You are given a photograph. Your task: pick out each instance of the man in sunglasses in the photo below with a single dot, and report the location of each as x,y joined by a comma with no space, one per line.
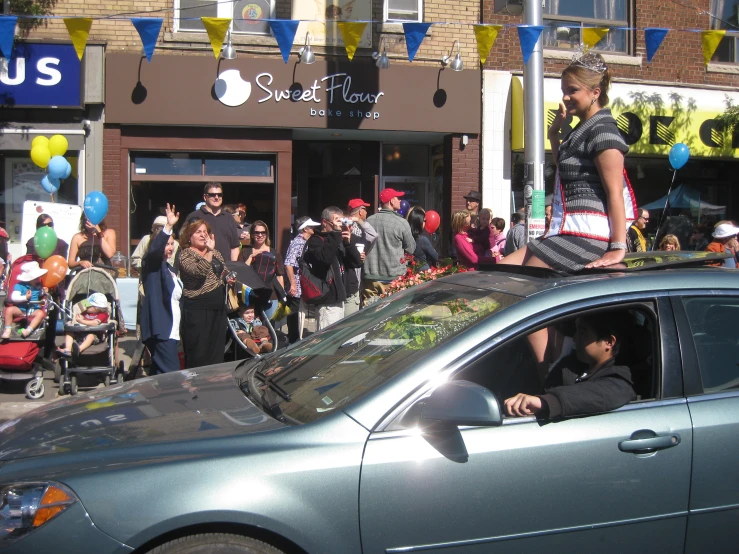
636,241
224,226
44,220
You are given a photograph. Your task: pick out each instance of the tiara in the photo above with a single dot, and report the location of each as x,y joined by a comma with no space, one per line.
588,60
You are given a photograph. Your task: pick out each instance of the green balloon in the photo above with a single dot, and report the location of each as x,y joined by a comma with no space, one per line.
44,241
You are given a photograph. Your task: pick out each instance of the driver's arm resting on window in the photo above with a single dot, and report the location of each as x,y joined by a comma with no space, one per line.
585,382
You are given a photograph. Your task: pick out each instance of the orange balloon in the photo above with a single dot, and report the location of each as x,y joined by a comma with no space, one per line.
56,270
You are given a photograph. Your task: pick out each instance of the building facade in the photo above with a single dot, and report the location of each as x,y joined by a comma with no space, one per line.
286,139
675,98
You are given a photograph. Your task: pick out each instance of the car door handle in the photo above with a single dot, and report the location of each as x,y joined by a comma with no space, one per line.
646,440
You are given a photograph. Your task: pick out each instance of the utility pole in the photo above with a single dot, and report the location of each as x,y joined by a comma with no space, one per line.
533,83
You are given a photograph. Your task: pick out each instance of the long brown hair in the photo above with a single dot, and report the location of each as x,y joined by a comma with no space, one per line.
83,220
189,229
251,232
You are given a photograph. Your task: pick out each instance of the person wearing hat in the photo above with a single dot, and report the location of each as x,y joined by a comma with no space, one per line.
25,296
93,312
394,239
722,236
62,248
143,245
305,228
473,200
363,236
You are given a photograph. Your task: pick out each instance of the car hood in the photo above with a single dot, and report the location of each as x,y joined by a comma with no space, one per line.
185,405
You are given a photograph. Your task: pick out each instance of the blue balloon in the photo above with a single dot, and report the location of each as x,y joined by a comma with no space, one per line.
679,155
57,167
404,207
50,184
68,171
96,207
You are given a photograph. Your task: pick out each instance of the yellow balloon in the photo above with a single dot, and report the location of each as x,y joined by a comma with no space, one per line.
40,141
58,145
40,156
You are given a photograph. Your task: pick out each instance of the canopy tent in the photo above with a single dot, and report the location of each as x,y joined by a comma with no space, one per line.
687,198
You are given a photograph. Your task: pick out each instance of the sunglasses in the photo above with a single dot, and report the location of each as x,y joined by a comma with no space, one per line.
214,194
48,224
260,233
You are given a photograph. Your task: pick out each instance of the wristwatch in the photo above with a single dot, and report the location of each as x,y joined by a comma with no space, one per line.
617,246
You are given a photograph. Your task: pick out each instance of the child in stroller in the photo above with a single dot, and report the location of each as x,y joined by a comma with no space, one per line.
92,312
27,299
251,331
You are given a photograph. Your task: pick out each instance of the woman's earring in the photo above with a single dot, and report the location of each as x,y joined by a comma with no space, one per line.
592,101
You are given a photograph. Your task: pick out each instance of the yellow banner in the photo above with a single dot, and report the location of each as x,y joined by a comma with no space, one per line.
78,29
351,33
593,35
486,35
217,27
711,40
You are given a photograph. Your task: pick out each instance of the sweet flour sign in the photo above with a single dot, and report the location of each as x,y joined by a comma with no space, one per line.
267,93
233,91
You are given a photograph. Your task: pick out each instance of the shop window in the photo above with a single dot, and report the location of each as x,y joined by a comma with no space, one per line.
238,167
175,164
405,160
249,16
197,165
565,19
403,10
727,17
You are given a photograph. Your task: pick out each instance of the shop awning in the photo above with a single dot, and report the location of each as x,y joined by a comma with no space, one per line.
16,136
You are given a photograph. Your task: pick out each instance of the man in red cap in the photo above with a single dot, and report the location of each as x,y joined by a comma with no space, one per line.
394,238
364,235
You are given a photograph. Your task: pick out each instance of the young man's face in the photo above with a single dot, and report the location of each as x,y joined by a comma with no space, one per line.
395,203
590,349
214,198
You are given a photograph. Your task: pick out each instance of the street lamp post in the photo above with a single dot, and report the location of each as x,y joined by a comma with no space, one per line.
533,79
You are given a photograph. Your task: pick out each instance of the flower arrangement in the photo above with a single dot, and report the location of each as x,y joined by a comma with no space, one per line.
415,276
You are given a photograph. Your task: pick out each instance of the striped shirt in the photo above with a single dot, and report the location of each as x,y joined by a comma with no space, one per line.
293,257
197,273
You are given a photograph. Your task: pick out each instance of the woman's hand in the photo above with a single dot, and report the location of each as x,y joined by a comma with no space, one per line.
210,243
612,257
556,125
172,216
85,264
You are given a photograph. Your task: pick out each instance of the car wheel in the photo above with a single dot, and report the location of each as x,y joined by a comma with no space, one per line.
73,385
215,543
35,389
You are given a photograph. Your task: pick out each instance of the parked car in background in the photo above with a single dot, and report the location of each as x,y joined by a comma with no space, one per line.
384,433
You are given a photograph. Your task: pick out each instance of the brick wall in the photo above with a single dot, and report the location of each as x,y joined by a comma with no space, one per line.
113,175
464,171
678,61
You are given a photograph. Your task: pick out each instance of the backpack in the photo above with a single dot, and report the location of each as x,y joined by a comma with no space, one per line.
264,264
313,289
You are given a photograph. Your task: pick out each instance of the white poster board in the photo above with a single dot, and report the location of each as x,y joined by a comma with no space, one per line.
66,219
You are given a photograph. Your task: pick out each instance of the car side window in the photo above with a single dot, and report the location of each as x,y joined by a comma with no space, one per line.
713,321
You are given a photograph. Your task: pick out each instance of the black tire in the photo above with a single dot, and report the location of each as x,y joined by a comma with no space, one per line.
215,543
73,385
106,379
57,371
121,373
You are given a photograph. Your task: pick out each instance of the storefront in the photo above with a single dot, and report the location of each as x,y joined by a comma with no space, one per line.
651,119
45,91
284,139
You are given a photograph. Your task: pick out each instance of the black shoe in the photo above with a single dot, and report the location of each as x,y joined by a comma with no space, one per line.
75,350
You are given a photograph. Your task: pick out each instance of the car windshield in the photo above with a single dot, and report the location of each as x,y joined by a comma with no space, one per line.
334,368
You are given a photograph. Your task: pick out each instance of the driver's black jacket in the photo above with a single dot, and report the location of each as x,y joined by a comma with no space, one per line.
570,390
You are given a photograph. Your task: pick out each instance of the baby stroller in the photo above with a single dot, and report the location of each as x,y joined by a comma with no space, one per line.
19,356
99,359
248,290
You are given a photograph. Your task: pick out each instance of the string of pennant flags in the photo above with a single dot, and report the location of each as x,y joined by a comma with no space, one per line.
284,31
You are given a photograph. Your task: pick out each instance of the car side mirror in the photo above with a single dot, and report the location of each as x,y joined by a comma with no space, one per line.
462,403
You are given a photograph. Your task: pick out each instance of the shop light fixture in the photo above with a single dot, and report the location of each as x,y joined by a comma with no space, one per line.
455,64
228,52
382,61
305,54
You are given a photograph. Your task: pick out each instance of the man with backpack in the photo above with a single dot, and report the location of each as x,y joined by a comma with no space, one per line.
326,254
304,227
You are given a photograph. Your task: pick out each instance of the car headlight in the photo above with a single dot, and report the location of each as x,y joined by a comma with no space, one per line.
27,506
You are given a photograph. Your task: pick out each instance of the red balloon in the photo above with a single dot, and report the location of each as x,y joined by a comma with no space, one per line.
56,270
432,221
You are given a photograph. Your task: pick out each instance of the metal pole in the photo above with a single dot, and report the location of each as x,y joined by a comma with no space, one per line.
6,6
533,83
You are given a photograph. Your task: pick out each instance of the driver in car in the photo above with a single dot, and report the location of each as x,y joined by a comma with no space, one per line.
587,381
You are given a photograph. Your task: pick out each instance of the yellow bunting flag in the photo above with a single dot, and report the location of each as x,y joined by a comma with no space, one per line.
486,35
78,29
217,27
351,32
711,40
592,35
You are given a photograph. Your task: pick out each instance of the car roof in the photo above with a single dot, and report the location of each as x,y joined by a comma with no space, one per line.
645,272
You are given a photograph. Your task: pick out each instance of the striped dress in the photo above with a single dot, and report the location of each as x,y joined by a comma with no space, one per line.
580,230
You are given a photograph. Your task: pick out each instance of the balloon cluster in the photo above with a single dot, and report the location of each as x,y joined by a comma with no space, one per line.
44,241
48,153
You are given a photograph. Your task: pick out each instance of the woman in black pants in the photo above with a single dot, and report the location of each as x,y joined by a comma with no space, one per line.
203,307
